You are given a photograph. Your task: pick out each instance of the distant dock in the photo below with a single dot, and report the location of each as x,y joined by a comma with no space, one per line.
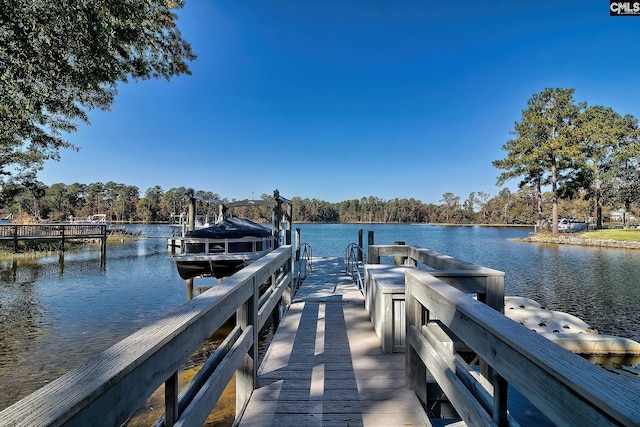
58,232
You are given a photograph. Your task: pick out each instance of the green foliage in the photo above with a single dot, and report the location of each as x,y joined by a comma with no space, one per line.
625,186
579,152
123,203
599,130
544,142
61,58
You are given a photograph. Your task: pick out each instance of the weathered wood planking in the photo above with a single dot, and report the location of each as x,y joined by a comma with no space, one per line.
565,387
467,277
325,365
384,287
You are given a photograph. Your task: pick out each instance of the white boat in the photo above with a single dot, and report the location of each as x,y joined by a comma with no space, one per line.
98,219
91,219
566,225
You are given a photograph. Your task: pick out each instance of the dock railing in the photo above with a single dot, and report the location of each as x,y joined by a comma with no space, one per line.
304,264
353,264
26,231
443,322
60,232
486,283
385,294
568,389
109,389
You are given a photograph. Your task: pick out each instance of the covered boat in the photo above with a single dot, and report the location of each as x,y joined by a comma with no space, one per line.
222,249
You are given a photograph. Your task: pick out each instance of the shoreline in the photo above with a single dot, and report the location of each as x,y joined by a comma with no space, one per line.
578,240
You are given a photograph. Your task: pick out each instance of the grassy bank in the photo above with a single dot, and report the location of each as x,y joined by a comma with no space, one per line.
630,235
613,238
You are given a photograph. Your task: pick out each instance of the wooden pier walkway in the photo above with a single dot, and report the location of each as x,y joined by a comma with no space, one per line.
325,366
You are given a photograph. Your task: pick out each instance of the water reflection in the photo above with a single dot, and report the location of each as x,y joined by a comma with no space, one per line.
55,317
598,285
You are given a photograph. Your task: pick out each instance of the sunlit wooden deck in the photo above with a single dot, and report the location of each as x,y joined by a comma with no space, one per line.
325,366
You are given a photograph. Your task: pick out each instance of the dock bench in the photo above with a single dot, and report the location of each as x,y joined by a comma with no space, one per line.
384,301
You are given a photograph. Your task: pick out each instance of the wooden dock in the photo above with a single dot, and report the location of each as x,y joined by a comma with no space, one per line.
59,232
325,366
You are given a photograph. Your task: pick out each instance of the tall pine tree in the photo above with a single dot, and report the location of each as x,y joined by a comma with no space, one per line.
545,146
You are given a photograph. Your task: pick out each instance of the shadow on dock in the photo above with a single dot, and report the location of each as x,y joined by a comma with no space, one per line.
325,366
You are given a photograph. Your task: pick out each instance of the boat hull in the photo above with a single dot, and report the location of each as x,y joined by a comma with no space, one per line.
218,266
189,270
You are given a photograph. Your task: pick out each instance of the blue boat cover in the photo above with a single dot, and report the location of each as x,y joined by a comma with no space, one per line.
231,228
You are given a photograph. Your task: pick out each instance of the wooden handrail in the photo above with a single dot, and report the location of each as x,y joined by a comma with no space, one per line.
42,231
486,282
565,387
108,389
61,232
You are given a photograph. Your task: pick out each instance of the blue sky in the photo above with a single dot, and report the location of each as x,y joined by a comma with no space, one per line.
340,100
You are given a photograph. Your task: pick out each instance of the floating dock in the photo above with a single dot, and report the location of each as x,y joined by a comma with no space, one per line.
566,330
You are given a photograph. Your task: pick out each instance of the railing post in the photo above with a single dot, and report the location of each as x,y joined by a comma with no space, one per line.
171,400
246,375
277,216
62,229
192,210
15,239
399,260
494,293
500,387
415,369
285,299
412,259
493,296
374,257
359,245
103,247
287,295
189,283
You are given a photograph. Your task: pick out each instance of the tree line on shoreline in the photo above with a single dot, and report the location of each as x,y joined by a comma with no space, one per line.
126,204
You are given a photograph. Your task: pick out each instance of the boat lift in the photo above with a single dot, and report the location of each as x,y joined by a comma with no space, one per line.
280,215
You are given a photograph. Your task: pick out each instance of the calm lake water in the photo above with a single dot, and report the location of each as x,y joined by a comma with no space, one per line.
55,316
